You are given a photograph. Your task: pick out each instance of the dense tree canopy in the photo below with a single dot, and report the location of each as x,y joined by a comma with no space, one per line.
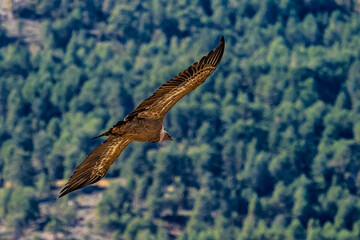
267,148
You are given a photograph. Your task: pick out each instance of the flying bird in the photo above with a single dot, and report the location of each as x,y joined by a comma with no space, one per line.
143,124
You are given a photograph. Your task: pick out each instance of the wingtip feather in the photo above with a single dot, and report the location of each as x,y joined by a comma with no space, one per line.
63,192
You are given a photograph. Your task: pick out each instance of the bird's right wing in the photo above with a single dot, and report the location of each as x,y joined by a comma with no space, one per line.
157,105
96,164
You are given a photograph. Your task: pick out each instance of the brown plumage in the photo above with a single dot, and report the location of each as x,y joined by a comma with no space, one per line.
143,124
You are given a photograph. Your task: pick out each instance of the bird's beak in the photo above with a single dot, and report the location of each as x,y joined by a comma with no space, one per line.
170,139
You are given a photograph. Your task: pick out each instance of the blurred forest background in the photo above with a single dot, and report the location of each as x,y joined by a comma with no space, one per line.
267,148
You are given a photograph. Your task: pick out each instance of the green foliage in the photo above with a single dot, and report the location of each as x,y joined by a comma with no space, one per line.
267,148
296,230
116,208
19,206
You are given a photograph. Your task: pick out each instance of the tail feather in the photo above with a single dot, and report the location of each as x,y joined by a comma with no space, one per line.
101,135
110,131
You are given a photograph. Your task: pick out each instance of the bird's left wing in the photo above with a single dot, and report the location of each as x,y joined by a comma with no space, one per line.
172,91
96,164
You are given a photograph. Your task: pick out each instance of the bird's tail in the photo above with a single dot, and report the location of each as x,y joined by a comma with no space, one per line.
101,135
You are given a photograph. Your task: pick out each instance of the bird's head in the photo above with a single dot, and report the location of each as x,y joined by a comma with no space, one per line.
164,136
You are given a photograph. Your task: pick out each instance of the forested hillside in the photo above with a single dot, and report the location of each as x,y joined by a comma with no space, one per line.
267,148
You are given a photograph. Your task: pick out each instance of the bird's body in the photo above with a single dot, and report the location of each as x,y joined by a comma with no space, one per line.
145,123
138,129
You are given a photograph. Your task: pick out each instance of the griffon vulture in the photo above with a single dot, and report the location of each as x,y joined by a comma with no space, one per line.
143,124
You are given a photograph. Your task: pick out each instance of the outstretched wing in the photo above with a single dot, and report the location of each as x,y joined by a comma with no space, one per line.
96,164
173,90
